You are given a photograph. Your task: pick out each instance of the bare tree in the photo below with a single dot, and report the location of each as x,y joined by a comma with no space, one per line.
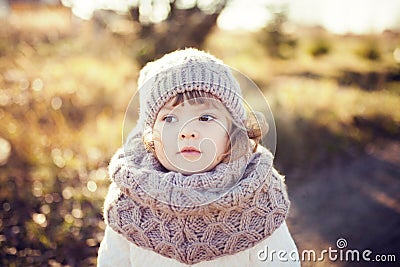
182,28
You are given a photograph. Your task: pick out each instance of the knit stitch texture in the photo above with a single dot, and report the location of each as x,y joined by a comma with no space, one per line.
198,217
186,70
156,209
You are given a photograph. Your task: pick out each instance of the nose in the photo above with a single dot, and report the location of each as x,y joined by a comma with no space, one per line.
188,134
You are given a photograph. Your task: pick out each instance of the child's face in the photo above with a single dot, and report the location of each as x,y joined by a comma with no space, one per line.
191,138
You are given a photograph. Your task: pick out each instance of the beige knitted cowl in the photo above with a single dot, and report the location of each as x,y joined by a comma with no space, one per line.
198,217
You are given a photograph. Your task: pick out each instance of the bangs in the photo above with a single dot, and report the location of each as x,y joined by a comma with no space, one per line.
194,97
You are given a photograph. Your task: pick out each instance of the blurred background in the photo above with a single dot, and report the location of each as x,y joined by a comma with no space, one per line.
329,69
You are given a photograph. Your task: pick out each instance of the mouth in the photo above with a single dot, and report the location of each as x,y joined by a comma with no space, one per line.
189,151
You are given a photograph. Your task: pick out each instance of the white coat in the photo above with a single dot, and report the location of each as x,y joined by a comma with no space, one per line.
277,250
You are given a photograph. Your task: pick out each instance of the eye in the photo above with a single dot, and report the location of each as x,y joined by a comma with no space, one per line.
170,118
206,118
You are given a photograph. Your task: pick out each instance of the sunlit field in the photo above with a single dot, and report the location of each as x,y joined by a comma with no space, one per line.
64,87
337,101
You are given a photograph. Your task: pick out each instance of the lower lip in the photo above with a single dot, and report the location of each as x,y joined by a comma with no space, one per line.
190,154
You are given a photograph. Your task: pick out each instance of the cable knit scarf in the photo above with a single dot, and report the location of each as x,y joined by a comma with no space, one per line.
198,217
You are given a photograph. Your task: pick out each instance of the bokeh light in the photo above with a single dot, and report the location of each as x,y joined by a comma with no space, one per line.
65,84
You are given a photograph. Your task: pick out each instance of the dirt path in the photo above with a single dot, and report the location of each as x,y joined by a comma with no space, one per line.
356,199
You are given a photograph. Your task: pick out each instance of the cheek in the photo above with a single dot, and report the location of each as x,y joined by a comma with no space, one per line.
223,144
220,139
164,140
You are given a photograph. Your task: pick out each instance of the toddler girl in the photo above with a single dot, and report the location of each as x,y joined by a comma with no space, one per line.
191,185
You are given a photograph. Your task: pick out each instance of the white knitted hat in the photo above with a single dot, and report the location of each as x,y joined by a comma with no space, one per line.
187,70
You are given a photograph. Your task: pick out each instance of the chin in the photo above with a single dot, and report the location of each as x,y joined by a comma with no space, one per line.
189,170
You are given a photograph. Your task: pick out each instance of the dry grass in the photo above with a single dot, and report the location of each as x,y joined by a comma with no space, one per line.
323,105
